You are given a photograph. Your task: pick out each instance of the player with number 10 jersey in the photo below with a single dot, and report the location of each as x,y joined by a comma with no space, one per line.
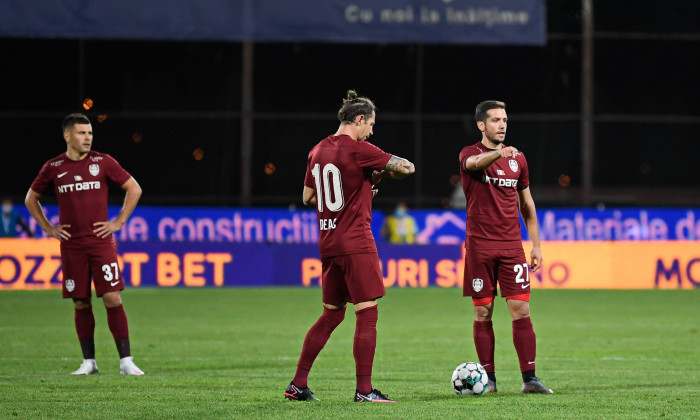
341,172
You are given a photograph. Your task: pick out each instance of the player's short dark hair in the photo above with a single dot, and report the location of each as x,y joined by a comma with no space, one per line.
482,110
353,106
74,119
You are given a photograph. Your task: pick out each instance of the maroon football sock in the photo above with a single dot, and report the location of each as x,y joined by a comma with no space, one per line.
119,326
85,327
525,345
364,345
485,342
315,340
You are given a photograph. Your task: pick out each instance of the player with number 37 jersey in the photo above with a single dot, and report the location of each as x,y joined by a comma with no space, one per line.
88,252
81,189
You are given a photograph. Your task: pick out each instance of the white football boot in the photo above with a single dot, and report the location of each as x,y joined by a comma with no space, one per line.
88,367
127,367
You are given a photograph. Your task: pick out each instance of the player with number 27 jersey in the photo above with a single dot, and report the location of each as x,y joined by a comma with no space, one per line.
340,170
495,180
492,194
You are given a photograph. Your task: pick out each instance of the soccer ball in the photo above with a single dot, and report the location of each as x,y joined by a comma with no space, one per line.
469,379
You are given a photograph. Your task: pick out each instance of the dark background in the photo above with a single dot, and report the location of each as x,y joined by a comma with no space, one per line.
156,103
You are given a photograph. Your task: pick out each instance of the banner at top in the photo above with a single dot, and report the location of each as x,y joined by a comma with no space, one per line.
392,21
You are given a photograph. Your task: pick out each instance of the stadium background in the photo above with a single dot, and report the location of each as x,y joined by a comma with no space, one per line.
606,116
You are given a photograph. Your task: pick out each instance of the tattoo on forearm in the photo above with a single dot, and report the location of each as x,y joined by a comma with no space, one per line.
397,164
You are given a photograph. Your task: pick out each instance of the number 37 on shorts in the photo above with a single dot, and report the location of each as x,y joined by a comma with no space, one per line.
111,273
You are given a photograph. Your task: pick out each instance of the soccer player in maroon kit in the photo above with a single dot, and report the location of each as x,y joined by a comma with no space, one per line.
341,172
79,178
495,181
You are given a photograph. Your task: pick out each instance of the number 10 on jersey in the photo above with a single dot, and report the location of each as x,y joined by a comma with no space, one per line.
329,187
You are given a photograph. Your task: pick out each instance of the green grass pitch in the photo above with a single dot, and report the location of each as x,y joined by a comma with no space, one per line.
229,353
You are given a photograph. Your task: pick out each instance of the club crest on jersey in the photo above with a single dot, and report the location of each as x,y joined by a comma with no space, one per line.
70,285
94,169
513,165
477,285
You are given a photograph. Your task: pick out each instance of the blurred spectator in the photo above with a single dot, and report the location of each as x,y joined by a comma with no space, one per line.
10,220
457,199
400,227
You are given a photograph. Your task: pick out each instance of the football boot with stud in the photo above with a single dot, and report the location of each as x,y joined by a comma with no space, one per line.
374,396
491,386
88,367
293,392
534,386
127,367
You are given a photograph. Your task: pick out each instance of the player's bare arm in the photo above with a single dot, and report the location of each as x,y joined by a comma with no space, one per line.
398,168
308,197
131,198
484,160
34,206
529,213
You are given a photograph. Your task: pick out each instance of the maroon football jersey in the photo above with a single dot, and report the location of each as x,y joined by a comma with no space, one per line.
340,170
81,189
493,217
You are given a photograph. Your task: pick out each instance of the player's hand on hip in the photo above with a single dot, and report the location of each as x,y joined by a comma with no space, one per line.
374,192
104,229
59,232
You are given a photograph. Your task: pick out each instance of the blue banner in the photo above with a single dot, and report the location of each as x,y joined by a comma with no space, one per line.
629,224
442,227
400,21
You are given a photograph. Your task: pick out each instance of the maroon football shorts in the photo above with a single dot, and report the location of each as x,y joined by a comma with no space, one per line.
352,278
83,259
484,267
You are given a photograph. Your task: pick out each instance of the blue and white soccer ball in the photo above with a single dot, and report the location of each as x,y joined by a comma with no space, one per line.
469,379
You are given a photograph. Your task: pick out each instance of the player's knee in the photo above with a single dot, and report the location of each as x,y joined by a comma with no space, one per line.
80,304
483,309
364,305
519,314
518,308
333,316
339,307
482,316
112,299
